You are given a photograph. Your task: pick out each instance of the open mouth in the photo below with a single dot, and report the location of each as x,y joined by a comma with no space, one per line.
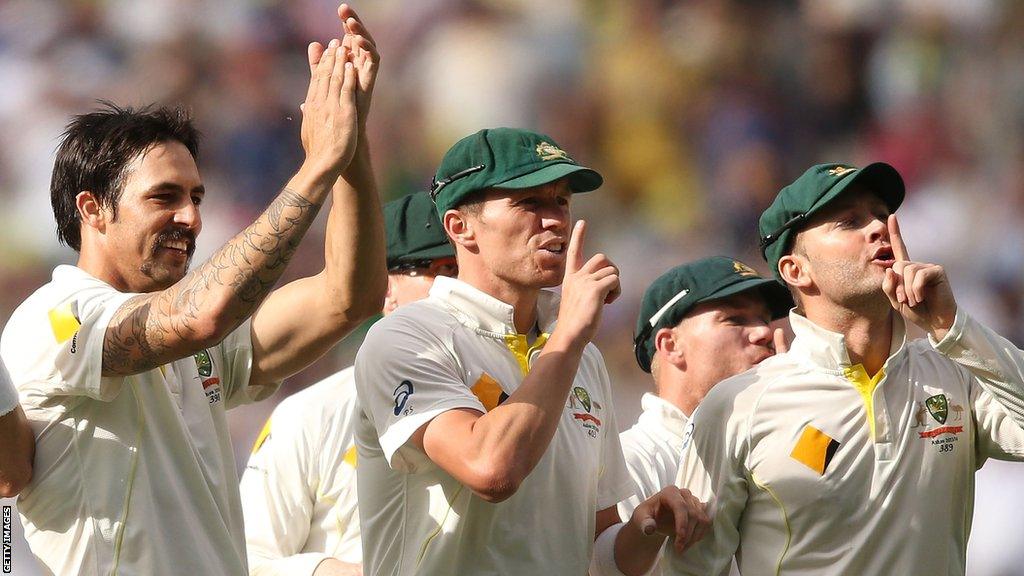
554,247
884,257
177,246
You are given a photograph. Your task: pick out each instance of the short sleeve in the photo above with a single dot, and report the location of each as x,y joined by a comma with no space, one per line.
8,394
236,358
614,484
406,375
53,345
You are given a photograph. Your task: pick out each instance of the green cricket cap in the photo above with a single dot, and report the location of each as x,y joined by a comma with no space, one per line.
505,158
413,231
667,300
811,192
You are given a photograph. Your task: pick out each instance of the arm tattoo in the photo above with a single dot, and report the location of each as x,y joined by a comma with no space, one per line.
152,329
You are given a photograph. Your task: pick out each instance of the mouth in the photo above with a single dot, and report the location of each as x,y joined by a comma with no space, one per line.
177,246
180,243
884,257
555,247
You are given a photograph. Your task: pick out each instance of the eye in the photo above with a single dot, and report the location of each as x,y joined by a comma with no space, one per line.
197,200
563,200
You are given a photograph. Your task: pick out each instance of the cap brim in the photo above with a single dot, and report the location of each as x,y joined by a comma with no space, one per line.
440,251
775,295
581,178
879,177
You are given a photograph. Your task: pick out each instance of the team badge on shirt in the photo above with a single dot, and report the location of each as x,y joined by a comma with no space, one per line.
211,383
579,399
940,409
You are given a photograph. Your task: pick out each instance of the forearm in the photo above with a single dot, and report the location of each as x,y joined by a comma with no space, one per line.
210,301
16,452
635,552
356,274
508,441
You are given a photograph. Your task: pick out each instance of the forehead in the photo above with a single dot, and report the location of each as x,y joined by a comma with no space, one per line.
747,301
164,162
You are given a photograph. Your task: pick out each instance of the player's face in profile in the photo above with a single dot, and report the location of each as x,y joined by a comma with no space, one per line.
152,239
847,247
523,234
724,337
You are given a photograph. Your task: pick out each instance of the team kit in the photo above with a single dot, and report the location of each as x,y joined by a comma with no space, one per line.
476,432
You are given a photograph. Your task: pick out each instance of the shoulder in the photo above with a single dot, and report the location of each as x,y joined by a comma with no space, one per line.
417,319
736,398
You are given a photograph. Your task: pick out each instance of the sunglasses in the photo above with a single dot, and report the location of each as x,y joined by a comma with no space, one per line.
427,267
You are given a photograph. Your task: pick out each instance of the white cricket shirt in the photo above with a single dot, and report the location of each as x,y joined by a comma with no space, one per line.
459,349
8,393
653,448
299,488
133,475
815,468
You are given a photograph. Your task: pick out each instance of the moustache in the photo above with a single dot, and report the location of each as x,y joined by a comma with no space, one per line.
177,234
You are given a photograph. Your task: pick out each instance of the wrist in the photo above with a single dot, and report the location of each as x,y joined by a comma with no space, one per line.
313,180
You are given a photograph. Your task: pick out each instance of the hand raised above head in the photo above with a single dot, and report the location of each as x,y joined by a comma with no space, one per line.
365,57
329,128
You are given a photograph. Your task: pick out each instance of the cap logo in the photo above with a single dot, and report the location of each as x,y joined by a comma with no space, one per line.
840,171
743,270
548,151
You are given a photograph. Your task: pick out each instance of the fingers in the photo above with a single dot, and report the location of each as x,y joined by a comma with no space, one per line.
351,21
648,526
574,253
348,89
341,63
324,70
899,248
779,341
314,52
889,286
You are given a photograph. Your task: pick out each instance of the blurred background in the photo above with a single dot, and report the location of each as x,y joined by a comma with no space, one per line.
696,112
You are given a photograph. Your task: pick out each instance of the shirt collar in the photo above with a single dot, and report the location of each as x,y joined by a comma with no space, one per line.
663,414
827,349
482,311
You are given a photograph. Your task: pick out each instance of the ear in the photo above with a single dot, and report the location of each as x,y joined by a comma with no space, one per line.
459,227
90,212
795,270
671,349
390,302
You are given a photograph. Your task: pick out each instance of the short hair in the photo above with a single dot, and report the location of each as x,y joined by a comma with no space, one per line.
95,151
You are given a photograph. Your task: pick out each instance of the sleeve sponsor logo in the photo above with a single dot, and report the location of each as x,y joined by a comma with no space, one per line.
65,322
815,449
402,393
211,383
488,391
579,398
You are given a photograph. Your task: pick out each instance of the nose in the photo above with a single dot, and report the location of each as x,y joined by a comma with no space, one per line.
877,230
761,335
556,216
188,216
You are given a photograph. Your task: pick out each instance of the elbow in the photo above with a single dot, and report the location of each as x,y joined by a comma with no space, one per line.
208,332
13,481
496,482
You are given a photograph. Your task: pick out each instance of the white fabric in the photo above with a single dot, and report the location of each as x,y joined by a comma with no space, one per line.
132,475
900,502
603,562
653,448
299,488
423,360
8,393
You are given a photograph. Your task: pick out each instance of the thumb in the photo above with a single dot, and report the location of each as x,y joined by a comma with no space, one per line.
779,339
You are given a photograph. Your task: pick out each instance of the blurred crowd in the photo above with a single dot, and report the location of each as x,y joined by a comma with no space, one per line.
696,112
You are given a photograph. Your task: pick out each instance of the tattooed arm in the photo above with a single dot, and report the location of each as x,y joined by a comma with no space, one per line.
208,303
352,285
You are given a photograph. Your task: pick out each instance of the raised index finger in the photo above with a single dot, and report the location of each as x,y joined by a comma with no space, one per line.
899,248
574,253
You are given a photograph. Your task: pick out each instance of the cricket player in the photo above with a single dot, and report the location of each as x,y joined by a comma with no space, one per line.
854,452
16,441
488,442
699,323
127,362
299,488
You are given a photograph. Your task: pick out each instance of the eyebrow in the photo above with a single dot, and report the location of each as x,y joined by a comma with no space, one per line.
171,186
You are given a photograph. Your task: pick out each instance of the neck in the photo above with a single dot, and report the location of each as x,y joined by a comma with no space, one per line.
672,386
97,267
522,300
868,332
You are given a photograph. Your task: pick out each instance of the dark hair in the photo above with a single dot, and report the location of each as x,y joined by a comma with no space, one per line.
95,151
